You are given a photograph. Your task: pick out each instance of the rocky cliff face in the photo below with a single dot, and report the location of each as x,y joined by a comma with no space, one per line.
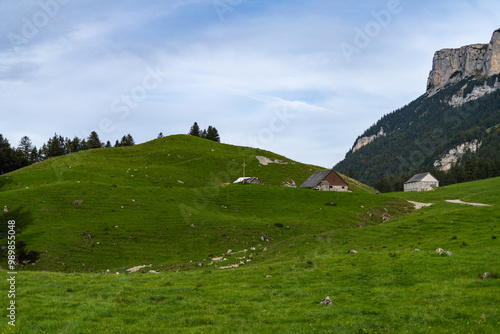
453,65
448,160
363,141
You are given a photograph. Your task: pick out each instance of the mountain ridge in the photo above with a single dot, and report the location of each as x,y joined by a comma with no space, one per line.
457,110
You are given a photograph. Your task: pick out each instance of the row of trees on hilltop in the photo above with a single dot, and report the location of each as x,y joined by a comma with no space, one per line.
26,153
210,133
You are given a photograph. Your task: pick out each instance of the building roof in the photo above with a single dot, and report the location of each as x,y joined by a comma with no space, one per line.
246,179
319,176
420,177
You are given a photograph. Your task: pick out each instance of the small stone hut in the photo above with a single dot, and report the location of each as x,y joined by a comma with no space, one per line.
421,182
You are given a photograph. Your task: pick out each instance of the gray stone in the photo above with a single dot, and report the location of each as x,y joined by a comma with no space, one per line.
327,301
486,275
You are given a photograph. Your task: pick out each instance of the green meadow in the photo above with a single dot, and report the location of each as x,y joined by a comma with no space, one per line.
170,205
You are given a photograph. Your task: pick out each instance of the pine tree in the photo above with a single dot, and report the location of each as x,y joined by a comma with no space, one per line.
127,141
213,134
54,147
470,170
160,135
108,144
195,130
25,146
93,141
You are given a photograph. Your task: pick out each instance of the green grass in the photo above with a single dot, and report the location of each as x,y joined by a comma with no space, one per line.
387,287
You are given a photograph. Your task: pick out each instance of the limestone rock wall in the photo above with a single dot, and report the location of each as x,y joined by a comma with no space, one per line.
453,65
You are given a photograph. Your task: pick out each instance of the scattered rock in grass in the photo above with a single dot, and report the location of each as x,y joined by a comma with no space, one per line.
116,226
386,217
200,264
230,267
153,272
265,249
486,275
287,228
229,251
331,204
84,265
416,250
442,251
137,268
180,182
193,225
352,251
327,301
78,202
269,276
5,209
369,213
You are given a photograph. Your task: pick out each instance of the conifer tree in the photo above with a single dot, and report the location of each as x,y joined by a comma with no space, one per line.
195,130
127,141
93,141
213,134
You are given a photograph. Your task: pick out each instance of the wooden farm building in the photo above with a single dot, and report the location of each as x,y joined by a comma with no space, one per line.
421,182
325,180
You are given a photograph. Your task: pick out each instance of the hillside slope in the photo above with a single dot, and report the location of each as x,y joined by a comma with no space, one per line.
168,202
397,283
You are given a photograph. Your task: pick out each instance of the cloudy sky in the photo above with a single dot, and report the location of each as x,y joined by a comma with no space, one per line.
302,78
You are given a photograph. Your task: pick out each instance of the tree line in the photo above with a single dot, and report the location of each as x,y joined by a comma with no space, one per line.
25,154
210,133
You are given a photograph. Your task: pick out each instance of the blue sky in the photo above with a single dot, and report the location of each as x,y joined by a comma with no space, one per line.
293,77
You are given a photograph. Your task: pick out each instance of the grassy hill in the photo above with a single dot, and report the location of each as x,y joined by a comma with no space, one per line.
297,242
167,202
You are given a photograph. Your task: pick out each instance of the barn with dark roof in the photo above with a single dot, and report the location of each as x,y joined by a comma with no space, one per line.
325,180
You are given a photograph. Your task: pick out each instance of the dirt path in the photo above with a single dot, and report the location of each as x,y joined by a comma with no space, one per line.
419,206
457,201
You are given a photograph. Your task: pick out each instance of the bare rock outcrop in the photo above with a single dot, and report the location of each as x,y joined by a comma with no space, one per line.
453,65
